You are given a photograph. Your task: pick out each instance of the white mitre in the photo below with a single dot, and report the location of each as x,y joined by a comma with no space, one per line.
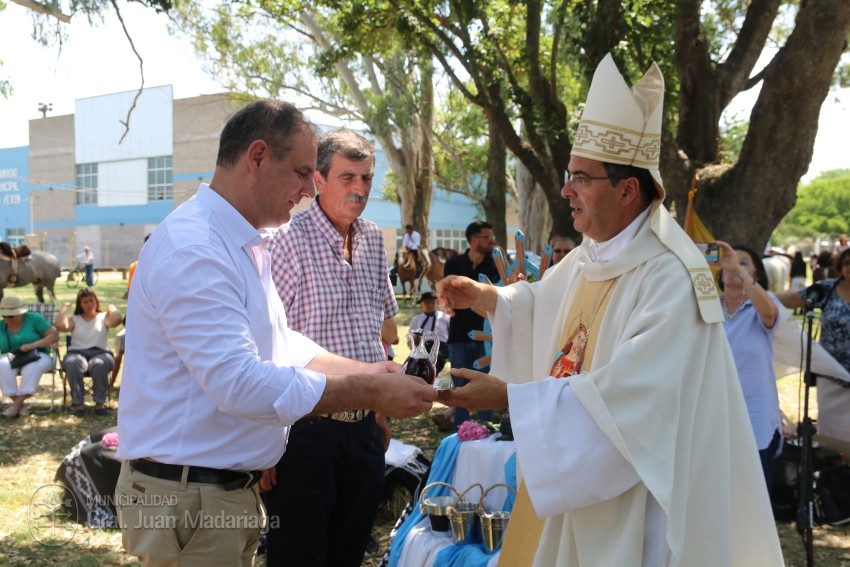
622,125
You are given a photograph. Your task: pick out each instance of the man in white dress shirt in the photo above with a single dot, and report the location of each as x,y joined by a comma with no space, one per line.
412,242
214,378
629,441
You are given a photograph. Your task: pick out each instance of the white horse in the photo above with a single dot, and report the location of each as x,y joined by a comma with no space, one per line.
38,268
778,268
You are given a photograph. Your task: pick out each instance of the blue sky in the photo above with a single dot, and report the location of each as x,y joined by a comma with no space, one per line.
98,60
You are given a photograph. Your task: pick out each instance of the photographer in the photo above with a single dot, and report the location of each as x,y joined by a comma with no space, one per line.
751,317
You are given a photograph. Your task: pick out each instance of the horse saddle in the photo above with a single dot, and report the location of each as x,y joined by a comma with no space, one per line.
10,254
7,252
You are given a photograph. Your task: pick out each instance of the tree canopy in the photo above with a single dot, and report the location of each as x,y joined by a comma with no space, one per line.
527,60
823,208
526,67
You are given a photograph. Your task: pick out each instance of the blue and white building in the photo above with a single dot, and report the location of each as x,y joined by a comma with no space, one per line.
87,179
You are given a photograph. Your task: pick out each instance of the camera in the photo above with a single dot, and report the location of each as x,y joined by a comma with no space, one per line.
709,251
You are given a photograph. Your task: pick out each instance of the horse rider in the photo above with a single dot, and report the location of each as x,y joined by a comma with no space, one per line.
413,241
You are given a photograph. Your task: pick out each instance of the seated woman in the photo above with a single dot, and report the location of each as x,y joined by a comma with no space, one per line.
24,332
89,328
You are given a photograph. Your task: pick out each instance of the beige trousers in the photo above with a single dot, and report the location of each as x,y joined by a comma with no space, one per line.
172,523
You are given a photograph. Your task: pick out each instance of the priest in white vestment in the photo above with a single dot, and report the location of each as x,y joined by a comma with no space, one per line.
630,425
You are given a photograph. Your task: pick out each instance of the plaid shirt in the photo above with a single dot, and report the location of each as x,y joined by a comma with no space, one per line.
340,305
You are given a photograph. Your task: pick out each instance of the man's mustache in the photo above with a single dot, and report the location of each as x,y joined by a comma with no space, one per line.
352,198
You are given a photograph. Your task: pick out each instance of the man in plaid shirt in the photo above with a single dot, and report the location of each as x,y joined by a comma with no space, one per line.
330,269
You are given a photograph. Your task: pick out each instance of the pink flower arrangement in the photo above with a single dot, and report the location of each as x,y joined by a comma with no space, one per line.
472,431
110,440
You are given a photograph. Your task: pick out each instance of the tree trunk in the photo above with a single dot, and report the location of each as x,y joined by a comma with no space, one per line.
744,202
495,204
534,217
425,150
410,152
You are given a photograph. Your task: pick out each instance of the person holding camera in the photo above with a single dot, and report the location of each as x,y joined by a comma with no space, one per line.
751,317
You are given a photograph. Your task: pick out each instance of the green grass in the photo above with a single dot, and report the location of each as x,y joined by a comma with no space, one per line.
31,449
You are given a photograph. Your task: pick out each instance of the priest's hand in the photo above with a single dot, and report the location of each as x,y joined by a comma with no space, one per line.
483,391
460,292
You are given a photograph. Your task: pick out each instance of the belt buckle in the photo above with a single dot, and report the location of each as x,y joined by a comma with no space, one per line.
240,484
348,416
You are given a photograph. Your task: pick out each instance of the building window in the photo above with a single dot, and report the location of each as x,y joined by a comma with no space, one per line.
160,178
15,236
87,184
449,238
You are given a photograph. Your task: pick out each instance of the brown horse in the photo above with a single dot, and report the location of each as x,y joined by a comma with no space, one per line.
445,253
435,272
406,270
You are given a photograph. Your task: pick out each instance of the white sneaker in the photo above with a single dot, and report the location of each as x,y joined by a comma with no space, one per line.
11,411
25,411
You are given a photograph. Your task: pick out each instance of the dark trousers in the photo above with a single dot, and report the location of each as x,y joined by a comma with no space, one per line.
330,482
767,456
96,362
464,355
89,275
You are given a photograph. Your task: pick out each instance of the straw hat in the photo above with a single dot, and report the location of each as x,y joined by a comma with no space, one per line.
622,125
11,306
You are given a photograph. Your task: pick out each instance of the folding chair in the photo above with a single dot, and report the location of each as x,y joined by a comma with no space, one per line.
48,311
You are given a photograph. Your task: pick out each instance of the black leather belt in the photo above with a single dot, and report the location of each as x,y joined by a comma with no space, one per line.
229,480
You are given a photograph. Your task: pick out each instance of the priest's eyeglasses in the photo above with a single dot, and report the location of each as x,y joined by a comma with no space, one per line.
580,180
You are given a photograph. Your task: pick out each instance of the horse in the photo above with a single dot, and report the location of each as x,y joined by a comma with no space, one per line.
778,268
406,270
434,273
445,253
39,268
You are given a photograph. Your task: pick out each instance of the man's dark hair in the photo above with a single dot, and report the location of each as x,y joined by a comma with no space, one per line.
273,121
475,228
616,172
348,144
408,227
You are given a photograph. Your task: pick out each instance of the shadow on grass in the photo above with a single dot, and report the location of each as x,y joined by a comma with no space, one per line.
87,548
51,434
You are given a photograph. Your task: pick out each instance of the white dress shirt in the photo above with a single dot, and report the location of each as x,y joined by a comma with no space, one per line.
411,241
213,376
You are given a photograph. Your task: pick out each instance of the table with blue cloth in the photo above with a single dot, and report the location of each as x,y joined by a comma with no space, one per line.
461,464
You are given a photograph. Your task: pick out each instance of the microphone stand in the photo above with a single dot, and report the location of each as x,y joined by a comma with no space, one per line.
805,509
